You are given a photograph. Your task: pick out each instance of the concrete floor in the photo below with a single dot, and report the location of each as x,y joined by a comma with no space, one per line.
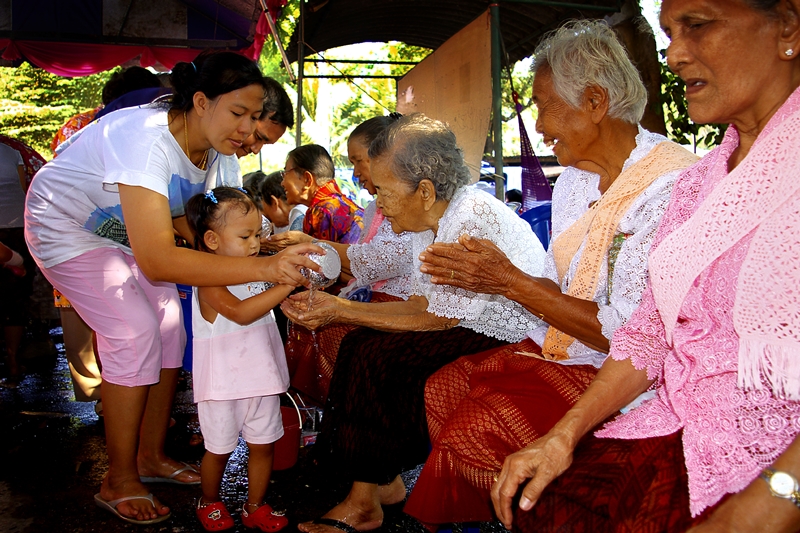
53,451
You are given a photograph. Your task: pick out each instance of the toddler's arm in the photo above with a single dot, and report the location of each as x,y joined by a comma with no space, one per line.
219,300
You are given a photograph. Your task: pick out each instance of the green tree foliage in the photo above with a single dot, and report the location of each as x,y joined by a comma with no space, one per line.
34,104
680,127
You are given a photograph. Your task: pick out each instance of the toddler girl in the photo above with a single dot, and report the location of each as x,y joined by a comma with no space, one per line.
239,366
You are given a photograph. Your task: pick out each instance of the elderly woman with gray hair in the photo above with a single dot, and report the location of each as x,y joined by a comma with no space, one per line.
606,207
374,424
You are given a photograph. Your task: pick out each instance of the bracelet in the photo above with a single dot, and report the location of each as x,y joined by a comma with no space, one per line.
782,485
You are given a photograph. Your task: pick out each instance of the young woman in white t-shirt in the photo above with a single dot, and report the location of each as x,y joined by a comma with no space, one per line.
100,221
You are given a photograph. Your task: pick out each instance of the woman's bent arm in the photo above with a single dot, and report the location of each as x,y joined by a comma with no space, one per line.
478,265
754,509
617,384
150,230
409,315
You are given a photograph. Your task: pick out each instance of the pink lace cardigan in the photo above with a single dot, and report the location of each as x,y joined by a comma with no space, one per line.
729,434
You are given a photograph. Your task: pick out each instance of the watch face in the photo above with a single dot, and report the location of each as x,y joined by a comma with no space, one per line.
782,484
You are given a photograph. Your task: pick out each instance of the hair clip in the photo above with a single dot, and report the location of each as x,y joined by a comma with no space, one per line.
243,190
195,68
210,196
395,115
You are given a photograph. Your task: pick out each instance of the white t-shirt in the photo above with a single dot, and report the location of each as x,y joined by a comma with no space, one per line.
294,213
12,197
73,203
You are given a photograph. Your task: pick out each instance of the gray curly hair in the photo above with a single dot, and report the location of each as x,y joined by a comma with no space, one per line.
422,148
585,53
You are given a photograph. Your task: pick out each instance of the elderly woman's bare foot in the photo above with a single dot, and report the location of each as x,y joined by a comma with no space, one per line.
393,493
347,513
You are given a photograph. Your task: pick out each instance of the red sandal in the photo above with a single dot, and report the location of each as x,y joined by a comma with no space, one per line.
214,516
264,518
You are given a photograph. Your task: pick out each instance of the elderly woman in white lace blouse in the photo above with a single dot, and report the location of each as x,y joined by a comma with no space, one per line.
606,207
380,265
374,424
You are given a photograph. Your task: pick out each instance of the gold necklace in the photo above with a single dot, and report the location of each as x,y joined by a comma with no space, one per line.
202,165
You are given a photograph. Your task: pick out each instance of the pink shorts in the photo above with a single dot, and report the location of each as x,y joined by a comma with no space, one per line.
139,324
258,419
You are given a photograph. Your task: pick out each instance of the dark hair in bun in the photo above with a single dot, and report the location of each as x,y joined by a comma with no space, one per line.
213,74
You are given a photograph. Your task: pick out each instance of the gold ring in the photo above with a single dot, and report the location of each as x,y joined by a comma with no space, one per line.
496,477
452,273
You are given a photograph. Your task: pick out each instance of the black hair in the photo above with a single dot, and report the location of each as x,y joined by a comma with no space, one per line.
271,186
205,211
277,104
514,195
315,159
252,184
213,74
127,80
371,128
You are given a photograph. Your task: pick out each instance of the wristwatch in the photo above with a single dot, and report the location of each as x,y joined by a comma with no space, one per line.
782,485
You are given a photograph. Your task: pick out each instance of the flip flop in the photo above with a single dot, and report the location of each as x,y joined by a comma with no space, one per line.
337,524
111,507
172,477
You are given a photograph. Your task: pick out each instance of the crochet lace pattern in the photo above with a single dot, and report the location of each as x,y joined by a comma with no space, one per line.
482,216
729,433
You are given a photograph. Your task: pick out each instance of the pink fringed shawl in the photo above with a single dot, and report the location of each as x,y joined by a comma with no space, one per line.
761,195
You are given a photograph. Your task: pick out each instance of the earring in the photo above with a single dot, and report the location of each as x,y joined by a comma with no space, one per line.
789,52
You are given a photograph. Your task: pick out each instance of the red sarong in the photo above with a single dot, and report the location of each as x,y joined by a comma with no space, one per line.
311,357
480,409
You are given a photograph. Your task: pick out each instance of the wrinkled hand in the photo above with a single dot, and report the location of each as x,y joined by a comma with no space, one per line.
279,241
541,462
476,265
323,309
285,266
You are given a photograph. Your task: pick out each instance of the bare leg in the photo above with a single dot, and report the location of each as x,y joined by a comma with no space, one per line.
393,493
124,408
211,471
361,509
81,356
259,470
152,460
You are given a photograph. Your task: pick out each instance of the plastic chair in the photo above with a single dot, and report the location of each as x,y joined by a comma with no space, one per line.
539,219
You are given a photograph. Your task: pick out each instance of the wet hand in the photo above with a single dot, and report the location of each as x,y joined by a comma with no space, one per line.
284,267
476,265
321,311
541,462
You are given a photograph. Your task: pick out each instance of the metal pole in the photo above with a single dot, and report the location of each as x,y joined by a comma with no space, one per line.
301,53
497,102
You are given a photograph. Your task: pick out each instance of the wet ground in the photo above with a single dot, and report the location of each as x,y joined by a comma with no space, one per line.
53,460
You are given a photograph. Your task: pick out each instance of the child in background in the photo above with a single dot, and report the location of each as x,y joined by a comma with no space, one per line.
283,215
239,362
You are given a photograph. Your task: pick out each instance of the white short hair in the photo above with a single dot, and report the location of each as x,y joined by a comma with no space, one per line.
585,53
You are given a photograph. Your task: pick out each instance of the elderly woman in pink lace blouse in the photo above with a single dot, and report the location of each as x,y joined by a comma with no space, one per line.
718,332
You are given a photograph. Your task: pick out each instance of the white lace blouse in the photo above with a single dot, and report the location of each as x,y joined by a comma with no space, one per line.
573,194
482,216
387,258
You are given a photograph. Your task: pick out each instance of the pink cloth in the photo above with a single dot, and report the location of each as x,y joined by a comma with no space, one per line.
138,323
761,194
82,59
729,434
